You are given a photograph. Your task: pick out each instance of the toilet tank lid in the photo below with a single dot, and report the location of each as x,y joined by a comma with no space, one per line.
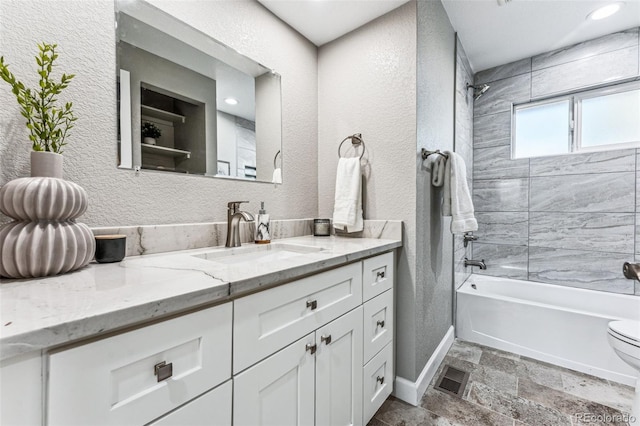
627,328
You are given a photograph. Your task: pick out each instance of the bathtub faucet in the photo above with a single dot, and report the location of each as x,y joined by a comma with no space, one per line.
471,262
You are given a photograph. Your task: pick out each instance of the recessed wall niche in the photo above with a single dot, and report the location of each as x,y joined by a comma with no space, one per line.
181,147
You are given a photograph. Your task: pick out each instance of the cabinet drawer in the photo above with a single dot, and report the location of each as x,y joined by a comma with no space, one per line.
378,381
378,323
377,275
270,320
213,408
112,381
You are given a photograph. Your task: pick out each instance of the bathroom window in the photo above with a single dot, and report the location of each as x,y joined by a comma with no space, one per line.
542,128
595,120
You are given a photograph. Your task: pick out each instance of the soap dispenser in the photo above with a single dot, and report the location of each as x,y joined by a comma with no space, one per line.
262,226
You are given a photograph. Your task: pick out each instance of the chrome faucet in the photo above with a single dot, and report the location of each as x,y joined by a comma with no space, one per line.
471,262
234,215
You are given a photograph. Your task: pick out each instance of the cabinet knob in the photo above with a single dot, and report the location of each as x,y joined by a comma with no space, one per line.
380,379
326,339
311,348
163,370
313,304
380,323
380,275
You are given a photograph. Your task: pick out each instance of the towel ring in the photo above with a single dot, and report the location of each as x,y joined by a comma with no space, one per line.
356,139
275,159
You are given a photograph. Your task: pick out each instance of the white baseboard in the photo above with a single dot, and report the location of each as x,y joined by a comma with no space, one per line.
411,392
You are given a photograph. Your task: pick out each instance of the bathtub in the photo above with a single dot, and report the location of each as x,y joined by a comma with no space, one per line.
561,325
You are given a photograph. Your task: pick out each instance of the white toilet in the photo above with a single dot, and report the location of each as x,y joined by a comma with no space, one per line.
624,338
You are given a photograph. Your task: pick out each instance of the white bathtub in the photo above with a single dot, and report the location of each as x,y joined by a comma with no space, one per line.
561,325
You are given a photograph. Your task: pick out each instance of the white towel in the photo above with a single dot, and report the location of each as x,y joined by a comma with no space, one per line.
457,198
437,170
277,176
347,211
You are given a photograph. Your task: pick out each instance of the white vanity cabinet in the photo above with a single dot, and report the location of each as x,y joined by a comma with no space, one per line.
305,352
314,351
138,376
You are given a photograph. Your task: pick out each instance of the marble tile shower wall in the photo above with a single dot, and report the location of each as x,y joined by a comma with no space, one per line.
464,147
571,219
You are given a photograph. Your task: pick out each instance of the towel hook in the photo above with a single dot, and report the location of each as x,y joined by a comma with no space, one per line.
275,159
356,139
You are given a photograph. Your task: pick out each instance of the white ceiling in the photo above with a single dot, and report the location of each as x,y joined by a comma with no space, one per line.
495,35
322,21
491,34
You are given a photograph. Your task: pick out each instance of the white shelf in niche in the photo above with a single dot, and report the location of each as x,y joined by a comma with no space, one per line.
162,114
163,150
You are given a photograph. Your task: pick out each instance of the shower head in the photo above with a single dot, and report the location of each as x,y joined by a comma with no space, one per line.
478,90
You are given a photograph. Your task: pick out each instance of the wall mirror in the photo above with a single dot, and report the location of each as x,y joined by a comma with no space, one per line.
189,104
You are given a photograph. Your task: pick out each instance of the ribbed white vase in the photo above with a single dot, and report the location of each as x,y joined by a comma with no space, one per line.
44,238
43,248
42,198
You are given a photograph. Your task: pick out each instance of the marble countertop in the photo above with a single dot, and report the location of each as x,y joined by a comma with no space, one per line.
37,314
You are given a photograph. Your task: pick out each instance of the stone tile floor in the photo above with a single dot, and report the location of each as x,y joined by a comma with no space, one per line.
512,390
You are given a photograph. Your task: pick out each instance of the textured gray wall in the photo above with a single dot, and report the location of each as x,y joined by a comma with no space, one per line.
568,220
84,31
372,91
434,242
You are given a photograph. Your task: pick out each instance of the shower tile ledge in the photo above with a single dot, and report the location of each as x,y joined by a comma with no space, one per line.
37,314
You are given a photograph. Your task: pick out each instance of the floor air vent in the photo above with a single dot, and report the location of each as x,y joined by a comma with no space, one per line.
452,381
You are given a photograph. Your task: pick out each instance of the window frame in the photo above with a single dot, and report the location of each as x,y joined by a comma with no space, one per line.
575,118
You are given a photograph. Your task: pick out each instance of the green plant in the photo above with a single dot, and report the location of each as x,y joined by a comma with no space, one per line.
48,124
150,130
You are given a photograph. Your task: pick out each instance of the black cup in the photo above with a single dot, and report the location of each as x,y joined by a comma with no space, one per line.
321,227
110,248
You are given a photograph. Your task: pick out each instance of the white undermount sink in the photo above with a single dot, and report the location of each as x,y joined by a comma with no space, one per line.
257,253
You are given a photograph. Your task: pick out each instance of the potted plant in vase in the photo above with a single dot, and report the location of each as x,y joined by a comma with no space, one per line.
150,132
48,123
44,237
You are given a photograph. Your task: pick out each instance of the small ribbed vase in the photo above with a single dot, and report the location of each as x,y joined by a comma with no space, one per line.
44,238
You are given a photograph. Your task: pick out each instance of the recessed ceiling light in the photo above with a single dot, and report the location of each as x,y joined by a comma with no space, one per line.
605,11
231,101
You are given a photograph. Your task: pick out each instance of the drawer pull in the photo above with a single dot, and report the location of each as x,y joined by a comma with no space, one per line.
380,275
313,304
163,370
380,379
380,324
326,339
311,348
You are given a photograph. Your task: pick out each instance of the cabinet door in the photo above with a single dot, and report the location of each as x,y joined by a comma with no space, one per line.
278,391
339,371
211,409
